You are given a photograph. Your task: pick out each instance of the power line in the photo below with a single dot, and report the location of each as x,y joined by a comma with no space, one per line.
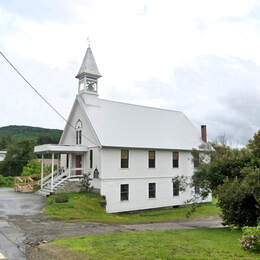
34,89
40,95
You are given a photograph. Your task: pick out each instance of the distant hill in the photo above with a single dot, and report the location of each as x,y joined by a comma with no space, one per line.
40,135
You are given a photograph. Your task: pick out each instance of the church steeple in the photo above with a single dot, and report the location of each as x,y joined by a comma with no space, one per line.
88,73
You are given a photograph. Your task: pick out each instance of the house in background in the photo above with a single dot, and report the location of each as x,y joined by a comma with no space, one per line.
134,153
2,155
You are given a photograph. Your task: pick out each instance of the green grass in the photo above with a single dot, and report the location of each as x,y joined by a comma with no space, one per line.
175,244
85,207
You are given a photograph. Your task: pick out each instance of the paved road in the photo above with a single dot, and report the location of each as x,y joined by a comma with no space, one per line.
14,204
22,224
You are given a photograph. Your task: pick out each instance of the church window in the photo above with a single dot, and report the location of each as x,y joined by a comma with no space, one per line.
152,190
67,161
175,159
124,158
151,160
176,188
91,159
78,132
197,189
196,160
124,191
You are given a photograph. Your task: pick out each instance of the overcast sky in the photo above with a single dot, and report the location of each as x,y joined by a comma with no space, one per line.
201,57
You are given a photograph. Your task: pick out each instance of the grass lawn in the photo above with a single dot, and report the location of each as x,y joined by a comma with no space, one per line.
175,244
85,207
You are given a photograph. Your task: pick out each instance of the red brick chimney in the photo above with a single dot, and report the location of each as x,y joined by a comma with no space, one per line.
204,133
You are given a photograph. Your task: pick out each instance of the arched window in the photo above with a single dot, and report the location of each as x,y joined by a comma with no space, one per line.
78,132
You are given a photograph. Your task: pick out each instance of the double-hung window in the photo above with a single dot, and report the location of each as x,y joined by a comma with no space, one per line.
124,158
152,190
196,160
124,192
197,189
176,188
175,159
151,160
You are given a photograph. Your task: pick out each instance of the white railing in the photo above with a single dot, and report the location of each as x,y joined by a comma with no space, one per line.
57,175
60,182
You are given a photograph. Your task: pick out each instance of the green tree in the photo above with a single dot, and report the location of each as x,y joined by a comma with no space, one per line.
17,156
32,167
48,140
254,145
239,200
233,176
5,142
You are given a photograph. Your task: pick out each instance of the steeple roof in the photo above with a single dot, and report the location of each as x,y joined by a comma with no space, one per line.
89,66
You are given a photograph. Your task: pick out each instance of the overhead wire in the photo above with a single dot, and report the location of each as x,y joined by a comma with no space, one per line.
40,95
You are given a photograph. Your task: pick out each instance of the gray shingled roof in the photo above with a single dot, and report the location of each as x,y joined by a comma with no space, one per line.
89,66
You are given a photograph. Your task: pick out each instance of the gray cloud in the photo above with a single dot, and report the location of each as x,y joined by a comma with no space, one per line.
223,93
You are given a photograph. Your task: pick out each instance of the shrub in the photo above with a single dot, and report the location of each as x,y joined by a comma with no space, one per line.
250,238
6,181
237,205
86,182
63,198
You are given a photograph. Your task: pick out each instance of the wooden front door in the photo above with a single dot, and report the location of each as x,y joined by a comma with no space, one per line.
78,164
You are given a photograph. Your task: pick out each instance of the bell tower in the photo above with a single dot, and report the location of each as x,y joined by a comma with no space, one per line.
88,74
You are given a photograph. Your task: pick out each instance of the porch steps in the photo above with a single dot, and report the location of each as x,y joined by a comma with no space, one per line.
47,190
59,185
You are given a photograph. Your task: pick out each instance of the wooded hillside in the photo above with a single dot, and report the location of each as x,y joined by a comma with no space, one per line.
40,135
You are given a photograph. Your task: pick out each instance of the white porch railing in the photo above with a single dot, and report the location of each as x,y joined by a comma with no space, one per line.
53,180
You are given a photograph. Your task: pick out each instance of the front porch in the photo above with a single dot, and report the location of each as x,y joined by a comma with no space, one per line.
71,165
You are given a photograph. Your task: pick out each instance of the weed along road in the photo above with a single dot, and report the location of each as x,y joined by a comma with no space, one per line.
13,205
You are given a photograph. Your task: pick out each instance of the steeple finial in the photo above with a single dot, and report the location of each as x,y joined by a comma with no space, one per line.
88,41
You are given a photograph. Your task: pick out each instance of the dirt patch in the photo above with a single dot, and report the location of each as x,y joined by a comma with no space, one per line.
54,252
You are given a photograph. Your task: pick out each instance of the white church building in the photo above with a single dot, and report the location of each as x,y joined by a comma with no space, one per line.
133,152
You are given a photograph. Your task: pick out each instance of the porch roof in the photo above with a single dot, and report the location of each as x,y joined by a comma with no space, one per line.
55,148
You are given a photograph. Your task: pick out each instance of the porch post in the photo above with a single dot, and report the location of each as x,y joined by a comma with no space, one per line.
59,159
52,170
70,161
42,171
